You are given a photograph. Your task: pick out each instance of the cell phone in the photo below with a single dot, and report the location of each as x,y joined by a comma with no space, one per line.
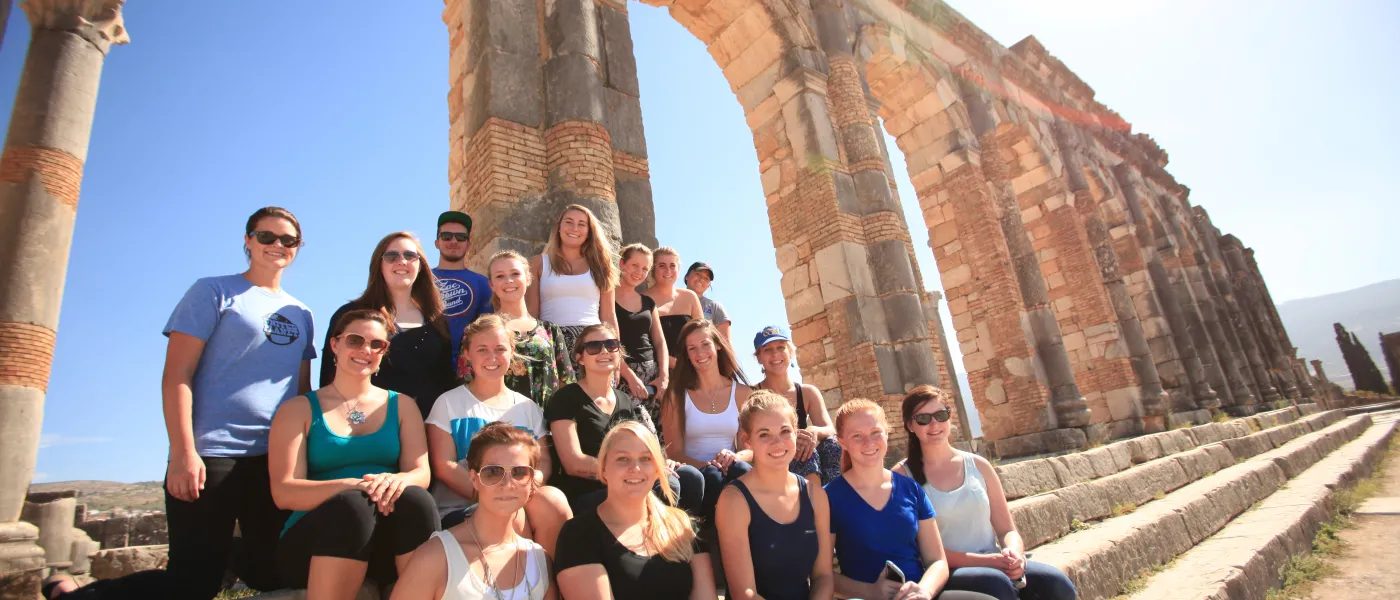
892,572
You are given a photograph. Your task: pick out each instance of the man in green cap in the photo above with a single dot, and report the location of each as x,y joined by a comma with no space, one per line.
465,293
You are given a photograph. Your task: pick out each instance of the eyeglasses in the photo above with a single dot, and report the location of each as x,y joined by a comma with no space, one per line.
267,238
941,416
596,347
448,236
356,341
495,475
393,256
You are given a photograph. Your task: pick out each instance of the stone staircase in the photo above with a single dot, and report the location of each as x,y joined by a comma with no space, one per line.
1110,515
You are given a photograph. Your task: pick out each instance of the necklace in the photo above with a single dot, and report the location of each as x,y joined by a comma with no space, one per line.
486,565
354,415
713,394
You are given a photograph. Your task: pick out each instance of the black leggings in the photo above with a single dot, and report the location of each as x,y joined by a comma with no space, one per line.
349,525
201,538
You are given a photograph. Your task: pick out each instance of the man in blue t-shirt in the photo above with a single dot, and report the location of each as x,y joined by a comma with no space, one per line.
465,293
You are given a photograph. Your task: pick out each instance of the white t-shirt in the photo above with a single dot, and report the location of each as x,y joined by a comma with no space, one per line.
461,414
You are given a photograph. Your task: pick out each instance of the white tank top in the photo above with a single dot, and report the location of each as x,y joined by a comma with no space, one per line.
568,300
707,434
464,584
964,515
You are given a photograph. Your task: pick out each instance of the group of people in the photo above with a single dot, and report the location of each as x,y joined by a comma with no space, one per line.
561,426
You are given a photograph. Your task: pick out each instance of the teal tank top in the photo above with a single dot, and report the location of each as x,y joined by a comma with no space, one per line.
332,456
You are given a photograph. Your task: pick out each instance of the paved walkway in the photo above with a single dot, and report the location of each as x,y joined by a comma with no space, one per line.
1367,570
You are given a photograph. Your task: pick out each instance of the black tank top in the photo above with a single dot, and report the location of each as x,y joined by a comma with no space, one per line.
671,326
801,409
634,331
783,554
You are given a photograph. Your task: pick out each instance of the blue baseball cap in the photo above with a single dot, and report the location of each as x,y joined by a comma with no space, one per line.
769,334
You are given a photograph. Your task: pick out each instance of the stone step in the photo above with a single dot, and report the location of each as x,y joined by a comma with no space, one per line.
1108,554
1244,560
1167,461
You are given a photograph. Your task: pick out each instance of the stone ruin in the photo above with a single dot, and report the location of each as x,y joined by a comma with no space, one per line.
1365,377
1089,298
1390,347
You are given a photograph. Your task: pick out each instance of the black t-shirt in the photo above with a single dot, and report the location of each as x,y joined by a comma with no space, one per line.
634,331
585,540
571,403
419,363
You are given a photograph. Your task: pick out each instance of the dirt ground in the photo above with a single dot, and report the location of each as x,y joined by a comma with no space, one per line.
1368,568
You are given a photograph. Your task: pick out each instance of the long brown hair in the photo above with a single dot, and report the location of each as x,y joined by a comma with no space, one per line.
576,353
913,448
424,291
685,377
597,251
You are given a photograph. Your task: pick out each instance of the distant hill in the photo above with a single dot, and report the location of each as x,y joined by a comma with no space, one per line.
107,495
1366,311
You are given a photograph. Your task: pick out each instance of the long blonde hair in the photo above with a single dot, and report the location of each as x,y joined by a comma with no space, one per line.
669,531
596,250
513,255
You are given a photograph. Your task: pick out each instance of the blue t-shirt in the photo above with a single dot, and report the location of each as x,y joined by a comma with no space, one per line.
866,538
465,295
254,342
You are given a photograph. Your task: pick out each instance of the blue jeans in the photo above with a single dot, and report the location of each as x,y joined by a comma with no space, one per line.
715,480
1043,582
687,484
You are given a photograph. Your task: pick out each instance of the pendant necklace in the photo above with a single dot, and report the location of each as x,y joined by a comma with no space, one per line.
354,415
486,567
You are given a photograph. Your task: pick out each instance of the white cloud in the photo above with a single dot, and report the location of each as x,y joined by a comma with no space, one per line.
47,440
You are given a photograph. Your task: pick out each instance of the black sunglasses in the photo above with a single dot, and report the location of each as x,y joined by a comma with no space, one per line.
267,238
393,256
448,236
596,347
494,475
941,416
356,341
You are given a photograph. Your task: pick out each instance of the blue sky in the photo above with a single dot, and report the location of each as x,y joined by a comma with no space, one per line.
1279,115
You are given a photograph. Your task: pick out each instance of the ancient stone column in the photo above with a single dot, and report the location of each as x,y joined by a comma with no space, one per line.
54,518
1069,407
1200,393
1256,314
1151,399
1238,330
41,170
1390,348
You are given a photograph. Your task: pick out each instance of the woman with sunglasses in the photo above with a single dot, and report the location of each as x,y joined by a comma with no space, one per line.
700,413
774,531
574,279
466,409
639,327
582,413
985,552
542,362
401,284
901,531
239,346
484,557
675,306
634,546
818,456
351,461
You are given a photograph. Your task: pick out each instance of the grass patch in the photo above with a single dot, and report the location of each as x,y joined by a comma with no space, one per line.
1158,496
1077,525
1221,417
1123,509
232,594
1139,583
1093,444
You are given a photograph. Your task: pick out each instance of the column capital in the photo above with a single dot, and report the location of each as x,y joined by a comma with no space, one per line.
98,21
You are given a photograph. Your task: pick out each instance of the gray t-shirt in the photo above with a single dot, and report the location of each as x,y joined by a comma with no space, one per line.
254,343
714,311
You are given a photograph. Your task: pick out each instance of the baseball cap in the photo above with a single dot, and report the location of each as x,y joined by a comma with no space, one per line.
769,334
700,266
453,216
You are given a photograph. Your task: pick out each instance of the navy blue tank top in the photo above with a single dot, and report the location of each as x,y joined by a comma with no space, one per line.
782,554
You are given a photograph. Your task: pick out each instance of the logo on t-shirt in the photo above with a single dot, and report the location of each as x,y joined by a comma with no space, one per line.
457,296
280,330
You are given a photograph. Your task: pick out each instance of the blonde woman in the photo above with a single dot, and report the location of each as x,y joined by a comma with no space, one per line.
639,328
634,547
676,306
574,280
484,558
542,364
818,455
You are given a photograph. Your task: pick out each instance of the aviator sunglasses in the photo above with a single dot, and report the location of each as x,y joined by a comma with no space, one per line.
495,475
356,341
267,238
596,347
941,416
393,256
448,236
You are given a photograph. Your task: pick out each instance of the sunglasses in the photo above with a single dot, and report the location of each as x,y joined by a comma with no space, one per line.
941,416
267,238
393,256
448,236
356,341
495,475
596,347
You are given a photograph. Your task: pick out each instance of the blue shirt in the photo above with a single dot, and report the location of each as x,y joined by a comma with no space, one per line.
465,295
866,538
254,343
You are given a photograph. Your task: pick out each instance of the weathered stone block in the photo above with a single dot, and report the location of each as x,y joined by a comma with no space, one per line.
620,62
1144,448
1085,501
572,28
636,211
1040,519
1173,442
506,86
1249,446
1027,478
119,562
1072,469
624,123
872,190
889,264
1122,455
1103,462
1197,463
573,90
